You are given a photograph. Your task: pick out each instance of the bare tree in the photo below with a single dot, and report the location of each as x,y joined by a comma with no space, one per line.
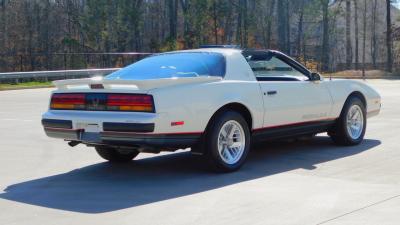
300,27
282,25
3,24
389,42
3,31
43,28
374,35
349,57
364,36
287,26
325,35
245,23
239,30
271,8
356,53
173,18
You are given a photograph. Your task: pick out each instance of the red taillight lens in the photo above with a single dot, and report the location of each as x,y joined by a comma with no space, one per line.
125,102
67,101
103,102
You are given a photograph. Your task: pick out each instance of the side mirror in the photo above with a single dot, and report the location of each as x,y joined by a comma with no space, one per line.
315,77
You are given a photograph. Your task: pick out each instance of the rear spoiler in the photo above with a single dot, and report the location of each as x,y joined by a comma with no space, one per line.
130,84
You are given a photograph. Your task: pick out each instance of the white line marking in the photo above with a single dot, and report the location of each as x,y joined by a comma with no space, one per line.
18,120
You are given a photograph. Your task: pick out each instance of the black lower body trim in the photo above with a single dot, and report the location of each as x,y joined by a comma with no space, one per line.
152,140
125,139
64,124
293,130
129,127
66,134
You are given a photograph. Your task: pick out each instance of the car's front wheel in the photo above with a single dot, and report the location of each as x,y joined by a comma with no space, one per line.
351,125
116,155
228,142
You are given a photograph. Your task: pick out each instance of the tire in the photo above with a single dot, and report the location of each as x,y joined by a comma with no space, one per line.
342,132
227,153
115,155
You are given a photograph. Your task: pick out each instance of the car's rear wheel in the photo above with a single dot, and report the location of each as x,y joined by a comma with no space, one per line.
227,142
351,125
116,155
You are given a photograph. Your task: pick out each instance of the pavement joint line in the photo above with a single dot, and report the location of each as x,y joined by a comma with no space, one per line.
359,209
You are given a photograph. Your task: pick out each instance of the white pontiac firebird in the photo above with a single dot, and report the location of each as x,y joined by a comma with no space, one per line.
216,101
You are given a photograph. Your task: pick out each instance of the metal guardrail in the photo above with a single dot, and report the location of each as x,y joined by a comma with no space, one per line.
16,77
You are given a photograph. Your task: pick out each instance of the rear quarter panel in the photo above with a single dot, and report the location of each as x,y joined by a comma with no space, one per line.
195,104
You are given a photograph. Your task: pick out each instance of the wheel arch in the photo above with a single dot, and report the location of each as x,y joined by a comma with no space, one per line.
339,131
234,106
199,148
356,94
359,95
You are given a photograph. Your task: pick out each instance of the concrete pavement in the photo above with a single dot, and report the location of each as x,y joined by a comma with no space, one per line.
44,181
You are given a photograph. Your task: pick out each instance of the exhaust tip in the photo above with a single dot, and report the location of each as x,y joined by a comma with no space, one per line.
73,143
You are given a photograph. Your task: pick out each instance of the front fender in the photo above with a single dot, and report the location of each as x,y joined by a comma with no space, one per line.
341,89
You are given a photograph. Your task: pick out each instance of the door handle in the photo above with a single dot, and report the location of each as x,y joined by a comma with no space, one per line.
272,92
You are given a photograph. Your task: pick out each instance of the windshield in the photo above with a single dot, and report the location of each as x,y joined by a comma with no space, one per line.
170,65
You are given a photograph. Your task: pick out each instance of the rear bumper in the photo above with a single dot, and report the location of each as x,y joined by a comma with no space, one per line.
153,140
62,133
120,134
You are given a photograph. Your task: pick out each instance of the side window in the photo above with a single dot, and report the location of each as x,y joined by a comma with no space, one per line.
273,69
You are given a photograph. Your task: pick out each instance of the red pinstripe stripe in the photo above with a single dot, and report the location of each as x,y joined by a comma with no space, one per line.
116,132
200,132
178,133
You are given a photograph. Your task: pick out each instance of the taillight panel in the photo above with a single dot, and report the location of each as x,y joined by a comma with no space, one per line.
67,101
103,102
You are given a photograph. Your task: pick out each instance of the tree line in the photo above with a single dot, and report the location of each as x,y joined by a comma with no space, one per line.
48,34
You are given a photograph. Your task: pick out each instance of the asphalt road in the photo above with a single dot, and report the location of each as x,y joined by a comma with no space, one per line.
43,181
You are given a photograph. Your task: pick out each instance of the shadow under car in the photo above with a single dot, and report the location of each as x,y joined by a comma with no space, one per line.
105,187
